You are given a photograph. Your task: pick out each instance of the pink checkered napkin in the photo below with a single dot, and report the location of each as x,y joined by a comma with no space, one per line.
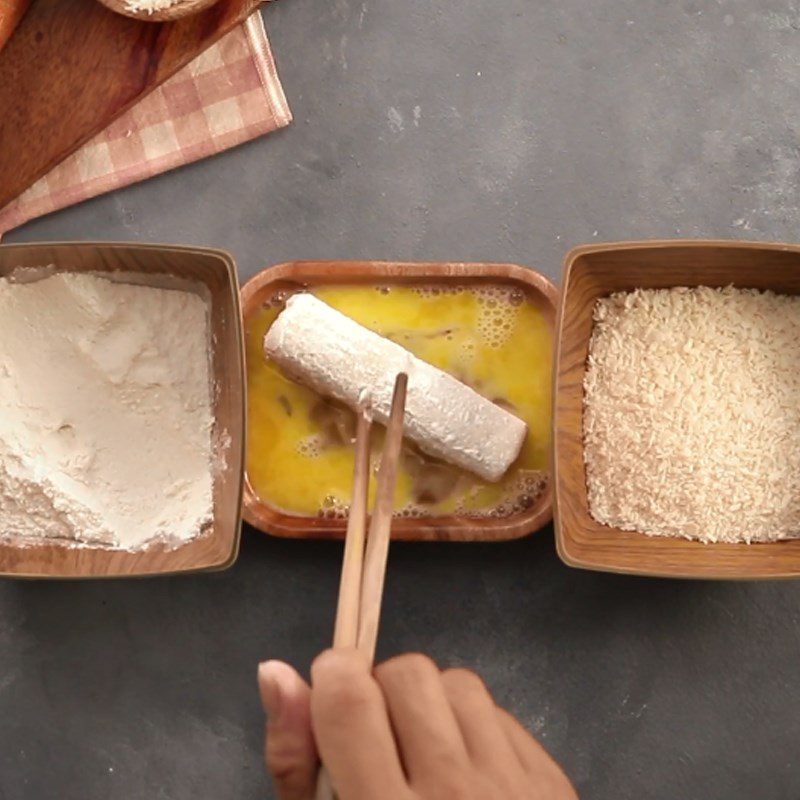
229,94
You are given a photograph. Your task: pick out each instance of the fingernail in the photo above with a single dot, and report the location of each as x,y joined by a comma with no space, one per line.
269,684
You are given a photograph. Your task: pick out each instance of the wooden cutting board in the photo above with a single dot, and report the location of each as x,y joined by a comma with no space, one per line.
73,66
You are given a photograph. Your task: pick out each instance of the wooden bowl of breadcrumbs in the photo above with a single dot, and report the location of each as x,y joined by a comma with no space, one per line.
677,409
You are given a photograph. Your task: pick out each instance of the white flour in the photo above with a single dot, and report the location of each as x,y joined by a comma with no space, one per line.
150,5
105,412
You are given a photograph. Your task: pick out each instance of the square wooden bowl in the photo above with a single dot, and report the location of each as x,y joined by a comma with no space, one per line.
597,271
167,266
259,289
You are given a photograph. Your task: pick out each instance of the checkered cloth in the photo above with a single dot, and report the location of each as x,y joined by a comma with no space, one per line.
229,94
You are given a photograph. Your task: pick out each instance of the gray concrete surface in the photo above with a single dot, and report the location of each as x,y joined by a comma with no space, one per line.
503,131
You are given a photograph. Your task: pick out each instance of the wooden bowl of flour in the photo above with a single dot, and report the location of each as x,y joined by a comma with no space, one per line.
210,274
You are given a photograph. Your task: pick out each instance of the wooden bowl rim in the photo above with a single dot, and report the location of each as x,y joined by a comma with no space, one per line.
265,518
577,251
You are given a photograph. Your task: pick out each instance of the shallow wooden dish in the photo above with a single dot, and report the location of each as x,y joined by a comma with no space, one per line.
596,271
183,9
452,528
159,265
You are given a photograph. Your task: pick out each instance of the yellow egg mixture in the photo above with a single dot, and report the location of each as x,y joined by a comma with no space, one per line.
300,452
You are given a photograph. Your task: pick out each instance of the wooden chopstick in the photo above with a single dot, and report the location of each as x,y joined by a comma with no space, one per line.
380,527
345,632
358,611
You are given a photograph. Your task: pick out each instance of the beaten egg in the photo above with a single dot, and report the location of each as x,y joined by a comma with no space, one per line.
490,336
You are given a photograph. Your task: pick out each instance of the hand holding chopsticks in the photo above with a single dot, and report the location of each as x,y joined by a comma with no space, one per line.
363,573
449,713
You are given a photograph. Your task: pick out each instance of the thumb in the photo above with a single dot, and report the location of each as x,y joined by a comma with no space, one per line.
290,752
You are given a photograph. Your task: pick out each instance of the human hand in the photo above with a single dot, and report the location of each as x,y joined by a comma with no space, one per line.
405,731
